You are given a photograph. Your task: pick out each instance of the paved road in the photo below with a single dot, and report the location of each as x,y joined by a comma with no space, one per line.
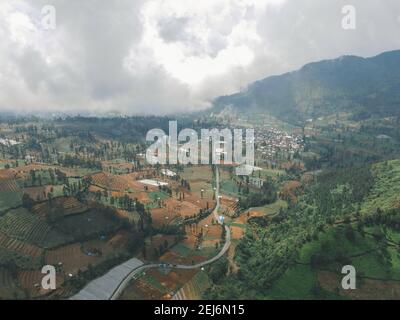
115,289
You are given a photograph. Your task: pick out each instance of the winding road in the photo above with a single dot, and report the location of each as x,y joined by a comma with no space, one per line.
111,285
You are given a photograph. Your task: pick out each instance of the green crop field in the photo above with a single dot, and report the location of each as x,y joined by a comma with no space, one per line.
365,253
10,199
386,191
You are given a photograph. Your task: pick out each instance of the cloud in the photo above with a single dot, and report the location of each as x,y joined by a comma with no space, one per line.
153,56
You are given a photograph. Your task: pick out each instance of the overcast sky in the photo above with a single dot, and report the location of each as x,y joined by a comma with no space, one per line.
154,56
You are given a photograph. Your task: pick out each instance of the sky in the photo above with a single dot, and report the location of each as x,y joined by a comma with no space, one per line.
170,56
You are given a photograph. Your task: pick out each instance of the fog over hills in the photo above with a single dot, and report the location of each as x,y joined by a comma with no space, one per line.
362,86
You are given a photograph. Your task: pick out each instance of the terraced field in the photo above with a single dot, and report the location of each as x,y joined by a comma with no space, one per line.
30,281
115,183
22,248
28,227
9,185
67,205
193,289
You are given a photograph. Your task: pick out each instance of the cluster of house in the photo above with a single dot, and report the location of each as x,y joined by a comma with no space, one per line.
270,140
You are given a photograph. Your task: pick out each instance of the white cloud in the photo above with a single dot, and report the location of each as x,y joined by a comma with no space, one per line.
138,56
197,40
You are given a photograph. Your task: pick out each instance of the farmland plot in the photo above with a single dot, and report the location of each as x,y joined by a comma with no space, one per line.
9,185
115,182
30,281
67,206
27,227
77,256
20,247
10,199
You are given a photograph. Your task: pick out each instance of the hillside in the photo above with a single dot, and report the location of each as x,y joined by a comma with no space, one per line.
361,86
297,256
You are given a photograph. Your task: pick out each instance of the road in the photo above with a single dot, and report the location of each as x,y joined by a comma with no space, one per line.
139,269
224,249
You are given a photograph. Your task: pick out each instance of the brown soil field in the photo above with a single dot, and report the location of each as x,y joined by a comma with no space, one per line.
180,208
74,259
175,279
9,185
243,218
161,216
290,189
119,240
141,290
37,193
141,196
67,205
188,209
116,182
211,234
237,232
23,248
175,258
95,189
31,281
366,289
196,200
7,174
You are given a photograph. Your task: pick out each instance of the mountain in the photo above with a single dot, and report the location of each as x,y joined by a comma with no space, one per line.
361,86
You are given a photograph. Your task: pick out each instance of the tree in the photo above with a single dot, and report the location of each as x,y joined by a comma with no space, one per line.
27,201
